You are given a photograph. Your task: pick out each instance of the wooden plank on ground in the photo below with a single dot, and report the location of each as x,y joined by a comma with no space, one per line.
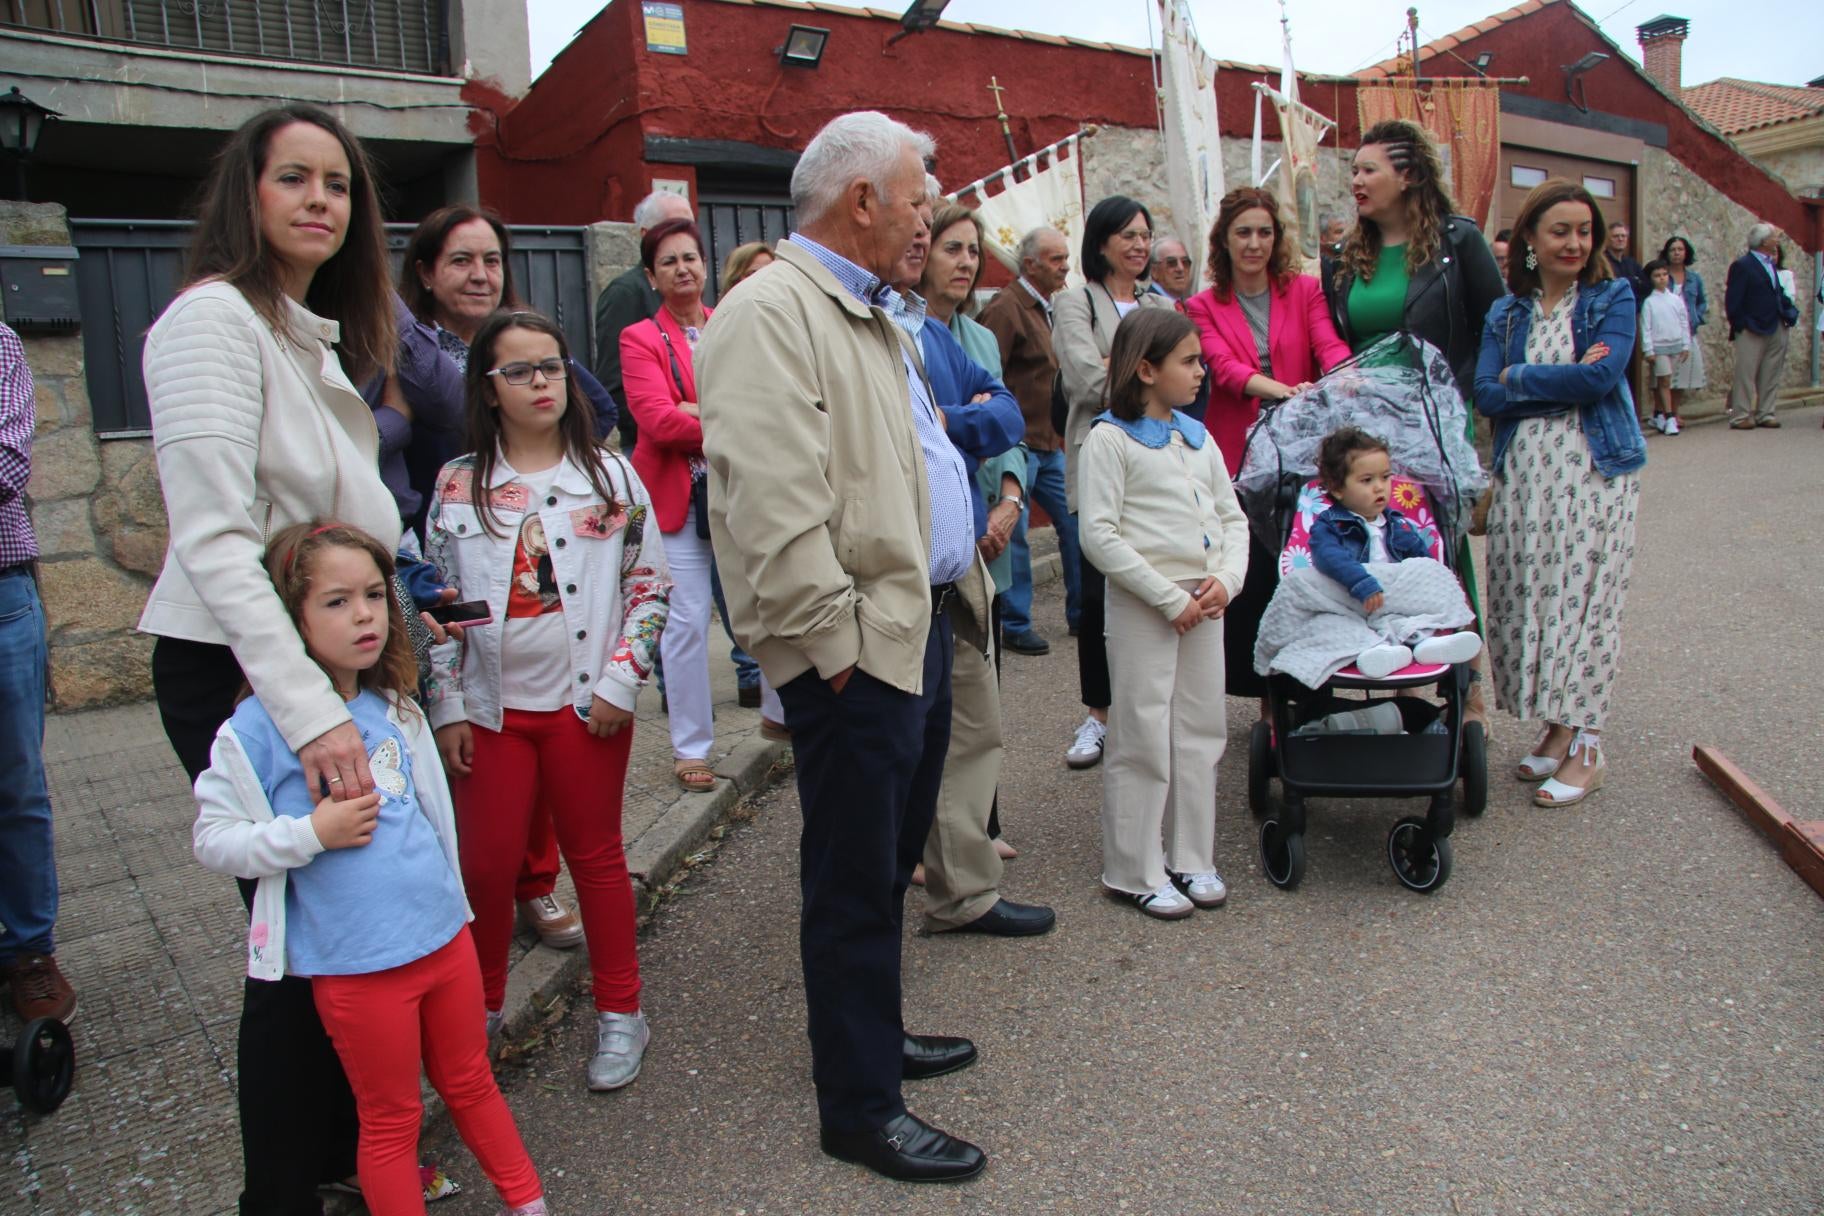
1800,842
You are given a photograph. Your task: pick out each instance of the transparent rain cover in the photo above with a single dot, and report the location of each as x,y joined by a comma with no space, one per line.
1401,389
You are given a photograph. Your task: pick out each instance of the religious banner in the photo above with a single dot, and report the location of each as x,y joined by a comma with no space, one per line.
1463,115
1193,145
1044,189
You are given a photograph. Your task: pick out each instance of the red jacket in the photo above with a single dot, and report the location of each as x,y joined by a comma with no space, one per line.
668,436
1300,338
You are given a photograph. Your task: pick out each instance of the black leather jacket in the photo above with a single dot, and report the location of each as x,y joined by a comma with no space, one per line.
1446,302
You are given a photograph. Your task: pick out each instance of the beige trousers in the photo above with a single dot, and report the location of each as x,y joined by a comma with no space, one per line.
1167,728
1760,361
962,870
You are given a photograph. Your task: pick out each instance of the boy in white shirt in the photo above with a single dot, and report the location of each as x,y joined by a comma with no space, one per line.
1665,339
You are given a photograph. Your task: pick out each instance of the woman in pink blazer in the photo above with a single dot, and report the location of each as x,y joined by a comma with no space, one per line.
1266,334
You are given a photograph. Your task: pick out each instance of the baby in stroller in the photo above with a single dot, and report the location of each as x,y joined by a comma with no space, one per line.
1372,594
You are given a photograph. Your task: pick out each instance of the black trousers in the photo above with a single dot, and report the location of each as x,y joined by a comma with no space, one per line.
1092,640
869,762
1241,620
298,1122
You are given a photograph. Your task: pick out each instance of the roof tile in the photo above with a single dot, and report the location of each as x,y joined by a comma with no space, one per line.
1733,106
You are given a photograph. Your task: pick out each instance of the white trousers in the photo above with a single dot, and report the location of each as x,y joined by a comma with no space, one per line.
684,646
1167,728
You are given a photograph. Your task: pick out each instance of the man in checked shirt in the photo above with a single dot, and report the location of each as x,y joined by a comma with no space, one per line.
28,871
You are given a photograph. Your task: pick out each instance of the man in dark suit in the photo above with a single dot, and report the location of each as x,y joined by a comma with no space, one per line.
1020,318
1621,262
1760,313
629,300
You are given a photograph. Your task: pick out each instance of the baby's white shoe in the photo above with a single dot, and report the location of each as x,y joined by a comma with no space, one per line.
1459,647
1382,660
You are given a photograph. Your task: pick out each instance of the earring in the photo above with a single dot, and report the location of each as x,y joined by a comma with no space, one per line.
1532,260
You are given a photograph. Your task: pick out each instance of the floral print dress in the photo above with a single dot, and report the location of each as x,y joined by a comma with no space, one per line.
1560,548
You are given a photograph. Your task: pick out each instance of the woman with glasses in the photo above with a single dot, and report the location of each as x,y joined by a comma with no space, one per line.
657,371
457,272
1117,247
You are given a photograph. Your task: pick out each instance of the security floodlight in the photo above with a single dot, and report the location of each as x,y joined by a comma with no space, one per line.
1586,63
1573,78
1481,62
803,46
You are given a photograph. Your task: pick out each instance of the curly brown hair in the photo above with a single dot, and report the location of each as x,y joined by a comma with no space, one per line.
1280,267
1339,450
1428,204
290,560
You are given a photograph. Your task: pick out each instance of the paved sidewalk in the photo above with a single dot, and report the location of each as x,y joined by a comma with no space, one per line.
155,946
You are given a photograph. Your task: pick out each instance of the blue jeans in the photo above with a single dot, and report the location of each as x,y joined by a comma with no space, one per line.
747,672
1045,486
28,870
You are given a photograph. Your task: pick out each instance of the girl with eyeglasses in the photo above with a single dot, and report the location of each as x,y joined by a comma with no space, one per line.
534,710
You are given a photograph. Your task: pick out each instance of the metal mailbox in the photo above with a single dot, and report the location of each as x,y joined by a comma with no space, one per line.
38,288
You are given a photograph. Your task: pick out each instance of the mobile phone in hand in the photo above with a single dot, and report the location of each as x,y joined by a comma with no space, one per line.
468,612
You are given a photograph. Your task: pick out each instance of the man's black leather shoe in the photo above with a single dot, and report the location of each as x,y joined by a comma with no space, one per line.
1008,919
924,1056
907,1150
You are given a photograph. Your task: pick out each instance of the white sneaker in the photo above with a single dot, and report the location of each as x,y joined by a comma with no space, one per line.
620,1045
1164,904
1382,660
1671,427
1459,647
1206,890
535,1208
1659,423
1086,750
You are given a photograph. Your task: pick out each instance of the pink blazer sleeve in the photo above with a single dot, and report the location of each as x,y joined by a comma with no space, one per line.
1229,370
1329,349
652,395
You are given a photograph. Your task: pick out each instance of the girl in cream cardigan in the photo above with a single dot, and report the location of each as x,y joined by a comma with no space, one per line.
1158,516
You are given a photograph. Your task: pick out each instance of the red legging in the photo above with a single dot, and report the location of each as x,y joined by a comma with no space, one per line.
388,1025
549,760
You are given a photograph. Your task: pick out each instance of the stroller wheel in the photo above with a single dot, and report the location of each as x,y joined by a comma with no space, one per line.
41,1065
1420,860
1260,768
1282,855
1473,764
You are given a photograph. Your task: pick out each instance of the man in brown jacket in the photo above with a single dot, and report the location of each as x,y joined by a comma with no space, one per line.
1020,318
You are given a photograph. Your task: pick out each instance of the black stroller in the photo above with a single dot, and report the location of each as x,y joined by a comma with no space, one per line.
1395,390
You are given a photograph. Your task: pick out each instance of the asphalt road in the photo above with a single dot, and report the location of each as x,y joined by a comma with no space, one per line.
1613,1008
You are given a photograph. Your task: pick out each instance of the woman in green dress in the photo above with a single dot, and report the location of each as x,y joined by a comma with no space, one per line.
1411,265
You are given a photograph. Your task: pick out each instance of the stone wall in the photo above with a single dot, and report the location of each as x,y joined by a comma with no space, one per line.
96,509
1125,160
1803,168
1674,199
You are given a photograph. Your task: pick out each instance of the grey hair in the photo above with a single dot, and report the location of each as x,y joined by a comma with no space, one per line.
866,144
1028,248
1323,224
934,189
1757,235
1159,244
651,209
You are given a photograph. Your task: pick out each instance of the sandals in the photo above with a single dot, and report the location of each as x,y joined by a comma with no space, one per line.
695,776
1559,793
1535,767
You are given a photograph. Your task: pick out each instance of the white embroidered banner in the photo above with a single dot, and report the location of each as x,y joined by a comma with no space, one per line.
1044,189
1193,145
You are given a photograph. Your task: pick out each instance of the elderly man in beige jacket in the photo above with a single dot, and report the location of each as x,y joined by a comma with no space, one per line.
842,525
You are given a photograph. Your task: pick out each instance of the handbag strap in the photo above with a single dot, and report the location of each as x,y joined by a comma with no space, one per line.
671,352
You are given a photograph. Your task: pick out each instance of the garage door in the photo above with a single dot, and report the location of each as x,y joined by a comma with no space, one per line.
1611,184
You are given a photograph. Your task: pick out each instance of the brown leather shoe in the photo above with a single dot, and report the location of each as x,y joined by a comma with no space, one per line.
778,732
1772,424
1742,424
39,989
557,926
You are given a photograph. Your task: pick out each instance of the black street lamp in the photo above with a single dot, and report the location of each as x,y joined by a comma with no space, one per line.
21,122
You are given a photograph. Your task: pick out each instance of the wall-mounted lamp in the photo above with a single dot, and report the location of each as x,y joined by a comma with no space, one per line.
803,46
1481,62
21,122
922,15
1573,78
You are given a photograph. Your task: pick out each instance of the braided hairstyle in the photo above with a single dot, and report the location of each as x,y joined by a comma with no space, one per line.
1410,152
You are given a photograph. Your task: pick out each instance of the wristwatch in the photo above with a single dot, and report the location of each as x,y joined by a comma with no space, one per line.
1015,499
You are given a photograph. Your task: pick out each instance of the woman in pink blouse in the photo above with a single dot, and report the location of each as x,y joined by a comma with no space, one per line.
1266,334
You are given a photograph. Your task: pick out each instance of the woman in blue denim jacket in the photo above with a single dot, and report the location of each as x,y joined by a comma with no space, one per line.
1553,377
